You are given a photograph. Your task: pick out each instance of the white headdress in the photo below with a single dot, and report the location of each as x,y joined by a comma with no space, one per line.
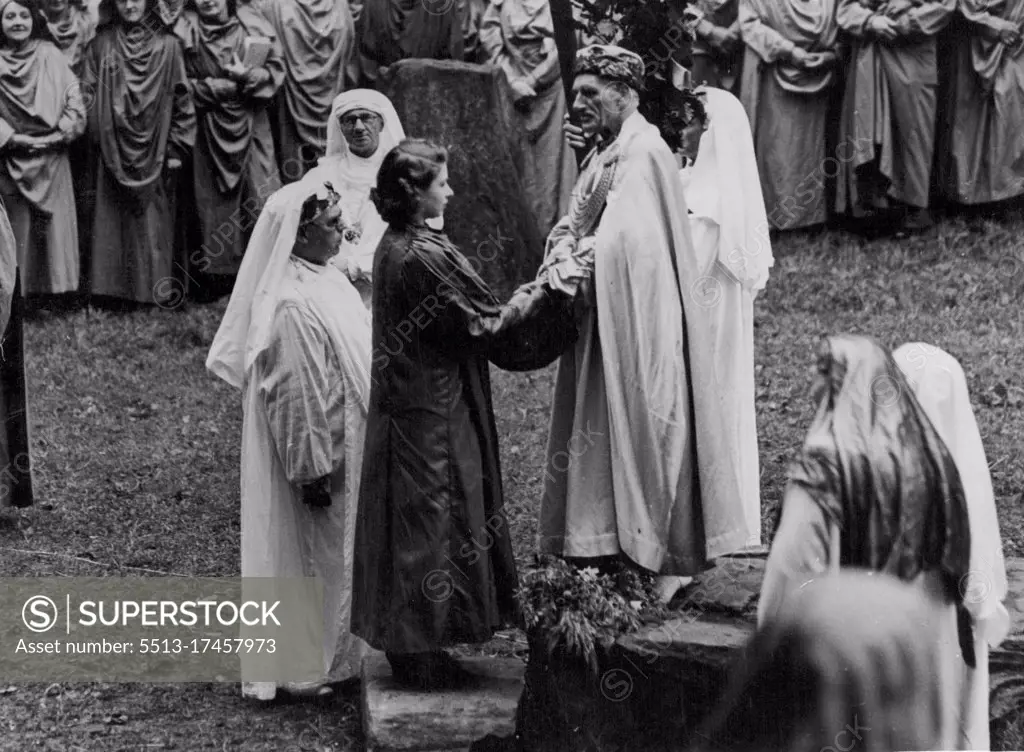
725,187
940,387
246,328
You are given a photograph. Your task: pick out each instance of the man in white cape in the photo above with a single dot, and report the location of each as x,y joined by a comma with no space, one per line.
638,462
941,389
362,129
729,225
295,340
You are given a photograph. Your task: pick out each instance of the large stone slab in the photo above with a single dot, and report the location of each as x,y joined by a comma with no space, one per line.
656,685
467,108
401,720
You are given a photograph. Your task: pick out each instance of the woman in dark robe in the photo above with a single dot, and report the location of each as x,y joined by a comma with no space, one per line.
142,127
317,39
434,565
16,478
234,168
41,113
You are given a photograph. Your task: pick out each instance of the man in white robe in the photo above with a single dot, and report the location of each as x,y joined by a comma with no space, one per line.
729,224
362,129
295,340
638,463
941,389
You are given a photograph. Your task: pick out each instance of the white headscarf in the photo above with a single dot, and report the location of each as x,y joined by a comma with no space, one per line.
261,283
724,186
940,387
359,173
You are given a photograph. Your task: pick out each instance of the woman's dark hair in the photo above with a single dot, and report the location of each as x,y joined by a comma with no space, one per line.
40,27
414,163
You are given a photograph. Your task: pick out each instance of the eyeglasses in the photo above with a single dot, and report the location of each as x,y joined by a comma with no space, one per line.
348,122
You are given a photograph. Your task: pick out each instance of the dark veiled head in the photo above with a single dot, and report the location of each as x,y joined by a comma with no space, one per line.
878,467
15,17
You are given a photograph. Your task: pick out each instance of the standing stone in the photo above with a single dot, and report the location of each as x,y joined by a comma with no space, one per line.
467,109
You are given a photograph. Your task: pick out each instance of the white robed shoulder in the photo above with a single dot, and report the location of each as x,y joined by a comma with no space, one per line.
729,225
628,442
295,340
940,387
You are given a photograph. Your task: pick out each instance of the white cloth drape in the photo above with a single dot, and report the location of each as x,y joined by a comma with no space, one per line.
296,340
728,223
622,414
940,387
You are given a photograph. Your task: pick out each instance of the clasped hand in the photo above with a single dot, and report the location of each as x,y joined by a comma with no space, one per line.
32,144
1009,32
248,78
812,60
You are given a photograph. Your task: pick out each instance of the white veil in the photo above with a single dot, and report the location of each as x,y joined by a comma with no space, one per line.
940,387
245,330
724,186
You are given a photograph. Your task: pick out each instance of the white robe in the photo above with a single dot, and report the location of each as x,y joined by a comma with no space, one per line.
728,223
634,427
941,389
304,419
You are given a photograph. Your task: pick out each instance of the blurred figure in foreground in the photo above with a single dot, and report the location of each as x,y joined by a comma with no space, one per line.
855,660
875,488
941,388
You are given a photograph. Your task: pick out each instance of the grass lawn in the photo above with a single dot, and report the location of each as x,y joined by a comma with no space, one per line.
136,454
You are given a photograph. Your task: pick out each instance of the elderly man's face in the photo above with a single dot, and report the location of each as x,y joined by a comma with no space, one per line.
599,105
361,129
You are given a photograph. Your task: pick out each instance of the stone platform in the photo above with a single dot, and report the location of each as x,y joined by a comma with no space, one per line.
400,720
655,684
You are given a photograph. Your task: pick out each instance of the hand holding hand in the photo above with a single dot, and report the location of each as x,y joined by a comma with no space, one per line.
801,58
882,27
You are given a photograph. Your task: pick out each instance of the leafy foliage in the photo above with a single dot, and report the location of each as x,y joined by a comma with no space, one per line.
658,31
578,609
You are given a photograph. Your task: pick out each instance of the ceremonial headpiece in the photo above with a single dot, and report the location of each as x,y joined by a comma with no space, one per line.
613,63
